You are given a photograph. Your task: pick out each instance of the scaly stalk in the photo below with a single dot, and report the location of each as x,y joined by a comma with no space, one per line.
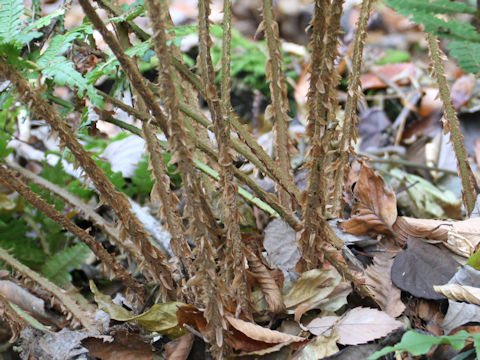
453,126
278,90
349,130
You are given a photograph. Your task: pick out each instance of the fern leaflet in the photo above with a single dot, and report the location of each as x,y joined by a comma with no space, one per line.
10,18
58,267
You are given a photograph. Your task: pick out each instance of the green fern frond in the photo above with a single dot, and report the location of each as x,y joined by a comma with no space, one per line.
29,32
432,7
62,72
465,46
60,44
58,267
11,12
467,54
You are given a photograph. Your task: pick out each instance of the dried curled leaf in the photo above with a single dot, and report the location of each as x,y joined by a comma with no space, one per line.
375,207
269,287
458,292
461,237
260,333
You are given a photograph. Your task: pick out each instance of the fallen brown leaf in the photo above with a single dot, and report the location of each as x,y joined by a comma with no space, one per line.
377,278
399,73
180,348
375,205
259,333
125,346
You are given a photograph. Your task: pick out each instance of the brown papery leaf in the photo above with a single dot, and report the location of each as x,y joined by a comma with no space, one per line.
458,292
375,206
399,73
180,348
269,287
377,278
259,333
461,237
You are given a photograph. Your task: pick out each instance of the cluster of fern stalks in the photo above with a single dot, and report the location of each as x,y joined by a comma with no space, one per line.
212,252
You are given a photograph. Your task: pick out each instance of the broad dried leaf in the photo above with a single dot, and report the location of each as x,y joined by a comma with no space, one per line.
357,326
421,266
458,292
259,333
319,348
180,348
279,243
375,206
377,278
312,285
461,237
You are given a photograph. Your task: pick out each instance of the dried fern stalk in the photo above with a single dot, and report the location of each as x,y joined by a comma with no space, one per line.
349,130
452,126
316,129
220,110
150,259
208,295
179,243
278,90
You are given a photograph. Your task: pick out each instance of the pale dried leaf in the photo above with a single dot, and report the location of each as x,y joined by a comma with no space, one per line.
361,325
357,326
279,243
260,333
315,283
377,278
319,348
458,292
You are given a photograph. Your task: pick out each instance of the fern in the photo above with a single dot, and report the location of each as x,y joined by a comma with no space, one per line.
465,45
15,237
467,54
11,12
62,72
57,268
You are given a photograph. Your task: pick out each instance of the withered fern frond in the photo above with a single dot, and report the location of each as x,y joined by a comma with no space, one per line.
278,90
349,129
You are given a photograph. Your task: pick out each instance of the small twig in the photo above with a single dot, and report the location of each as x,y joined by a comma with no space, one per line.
407,163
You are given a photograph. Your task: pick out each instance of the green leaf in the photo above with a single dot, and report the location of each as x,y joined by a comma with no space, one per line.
419,344
161,318
393,56
57,268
